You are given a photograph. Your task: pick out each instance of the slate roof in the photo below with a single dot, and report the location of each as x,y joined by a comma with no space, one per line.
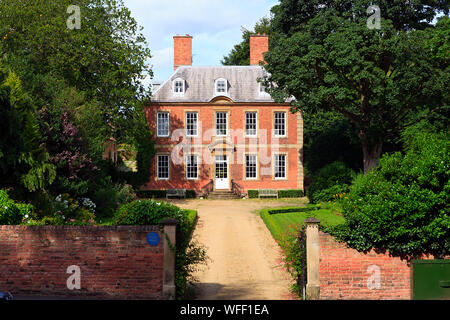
243,85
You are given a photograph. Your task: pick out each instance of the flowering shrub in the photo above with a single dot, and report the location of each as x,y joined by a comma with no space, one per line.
69,212
12,213
334,193
88,204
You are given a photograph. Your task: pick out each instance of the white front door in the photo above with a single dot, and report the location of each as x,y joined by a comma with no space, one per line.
221,172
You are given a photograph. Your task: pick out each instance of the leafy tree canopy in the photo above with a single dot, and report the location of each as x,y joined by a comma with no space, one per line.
380,80
24,164
88,78
105,58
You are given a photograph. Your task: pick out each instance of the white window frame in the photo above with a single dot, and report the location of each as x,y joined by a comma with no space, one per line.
188,164
262,92
256,124
157,124
216,83
276,134
256,166
226,124
179,93
158,165
196,123
275,166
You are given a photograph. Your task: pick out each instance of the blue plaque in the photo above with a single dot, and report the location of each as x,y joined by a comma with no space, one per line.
153,238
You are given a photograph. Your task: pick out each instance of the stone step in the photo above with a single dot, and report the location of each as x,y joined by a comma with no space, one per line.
222,195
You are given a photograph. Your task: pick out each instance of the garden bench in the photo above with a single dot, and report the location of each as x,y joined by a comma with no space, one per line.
267,193
176,193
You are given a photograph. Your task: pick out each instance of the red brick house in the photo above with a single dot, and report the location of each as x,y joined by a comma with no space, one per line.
217,129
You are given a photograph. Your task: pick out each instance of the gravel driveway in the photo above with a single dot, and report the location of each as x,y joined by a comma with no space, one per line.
245,261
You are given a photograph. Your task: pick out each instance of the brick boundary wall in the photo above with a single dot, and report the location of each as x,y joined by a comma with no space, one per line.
345,273
116,262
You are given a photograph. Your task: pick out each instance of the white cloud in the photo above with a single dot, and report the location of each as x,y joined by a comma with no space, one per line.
214,24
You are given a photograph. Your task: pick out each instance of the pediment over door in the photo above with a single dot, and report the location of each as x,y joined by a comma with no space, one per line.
221,145
222,100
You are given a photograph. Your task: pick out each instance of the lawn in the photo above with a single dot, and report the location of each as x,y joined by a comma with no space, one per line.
281,221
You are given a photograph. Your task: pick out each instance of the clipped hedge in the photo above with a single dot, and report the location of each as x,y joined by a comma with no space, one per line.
253,194
161,194
292,193
299,209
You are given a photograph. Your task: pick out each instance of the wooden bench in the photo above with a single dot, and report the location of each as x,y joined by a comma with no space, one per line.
175,193
267,193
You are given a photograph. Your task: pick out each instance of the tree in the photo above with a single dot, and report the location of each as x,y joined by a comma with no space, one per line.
329,137
291,16
69,153
24,164
377,79
240,54
105,58
94,73
402,205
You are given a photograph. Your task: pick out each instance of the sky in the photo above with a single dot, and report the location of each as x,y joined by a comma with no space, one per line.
214,24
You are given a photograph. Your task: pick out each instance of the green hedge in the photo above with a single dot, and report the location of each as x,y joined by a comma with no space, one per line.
299,209
151,212
293,193
253,194
161,194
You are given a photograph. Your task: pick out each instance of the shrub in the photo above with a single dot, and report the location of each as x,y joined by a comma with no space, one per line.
161,194
43,203
187,254
10,212
294,193
150,194
68,211
293,258
333,193
253,194
147,212
191,194
402,205
109,198
14,213
299,209
336,173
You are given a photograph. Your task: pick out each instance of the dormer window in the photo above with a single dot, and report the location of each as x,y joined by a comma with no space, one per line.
263,90
221,86
178,87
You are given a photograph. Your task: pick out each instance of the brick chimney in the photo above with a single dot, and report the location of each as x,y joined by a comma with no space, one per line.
259,44
182,51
